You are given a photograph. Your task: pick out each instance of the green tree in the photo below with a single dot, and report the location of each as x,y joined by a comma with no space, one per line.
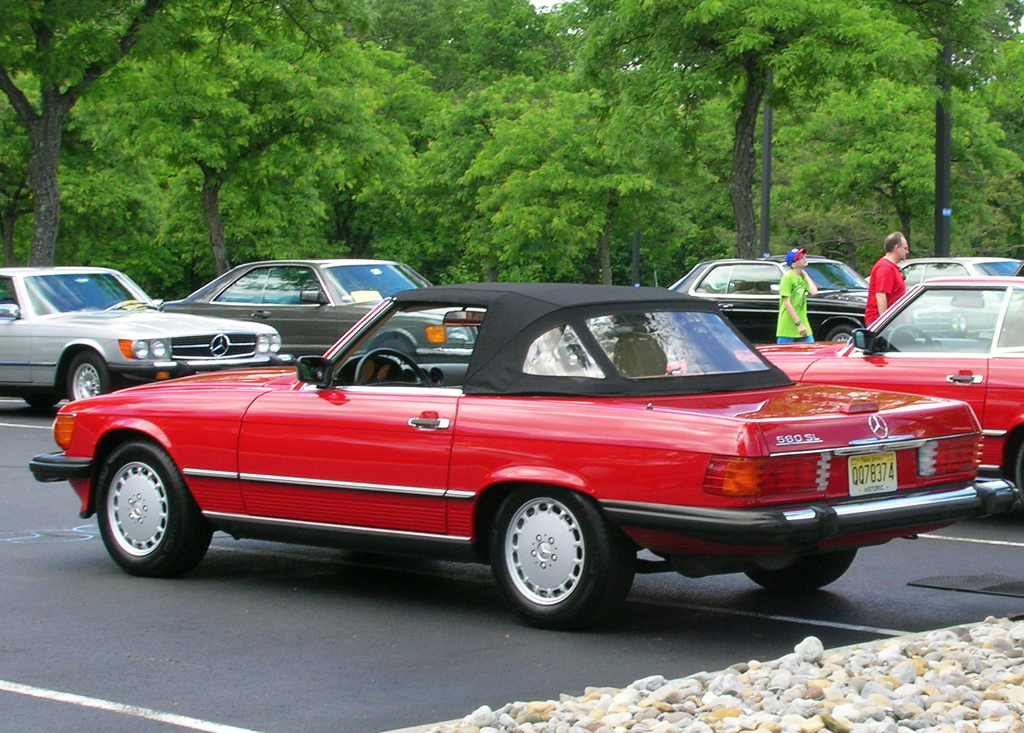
254,112
59,49
468,44
684,52
1004,97
872,151
560,183
62,47
15,196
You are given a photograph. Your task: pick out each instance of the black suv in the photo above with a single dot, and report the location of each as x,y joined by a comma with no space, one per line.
747,291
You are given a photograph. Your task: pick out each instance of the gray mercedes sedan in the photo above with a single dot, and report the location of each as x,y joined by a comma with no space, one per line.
76,332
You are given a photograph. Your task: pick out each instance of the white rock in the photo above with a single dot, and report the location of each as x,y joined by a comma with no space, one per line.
810,649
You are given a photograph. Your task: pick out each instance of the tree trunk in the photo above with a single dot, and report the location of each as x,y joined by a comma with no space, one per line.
211,212
904,215
741,183
7,222
604,257
46,132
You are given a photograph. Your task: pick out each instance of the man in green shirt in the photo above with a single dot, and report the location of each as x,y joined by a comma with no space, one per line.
794,288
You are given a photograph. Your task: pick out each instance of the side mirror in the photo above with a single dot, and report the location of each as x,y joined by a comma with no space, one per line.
864,339
313,296
9,312
314,370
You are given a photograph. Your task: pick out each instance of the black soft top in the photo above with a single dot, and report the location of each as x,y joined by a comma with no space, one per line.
518,313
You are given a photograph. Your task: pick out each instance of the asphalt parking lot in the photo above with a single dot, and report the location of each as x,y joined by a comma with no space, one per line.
282,639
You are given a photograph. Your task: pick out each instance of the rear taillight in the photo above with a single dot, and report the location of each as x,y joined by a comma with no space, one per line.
950,455
745,477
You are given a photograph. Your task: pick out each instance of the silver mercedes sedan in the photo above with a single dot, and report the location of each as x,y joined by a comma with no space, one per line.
75,332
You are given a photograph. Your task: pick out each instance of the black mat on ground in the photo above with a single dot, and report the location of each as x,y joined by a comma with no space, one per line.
998,585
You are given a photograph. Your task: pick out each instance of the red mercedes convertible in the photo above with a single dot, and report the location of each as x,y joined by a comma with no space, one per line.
584,424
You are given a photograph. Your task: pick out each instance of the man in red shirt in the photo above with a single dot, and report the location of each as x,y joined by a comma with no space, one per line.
886,284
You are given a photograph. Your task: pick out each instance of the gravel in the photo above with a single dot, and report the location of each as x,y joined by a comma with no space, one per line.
965,679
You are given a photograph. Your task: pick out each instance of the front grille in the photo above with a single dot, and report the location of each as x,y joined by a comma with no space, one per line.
214,346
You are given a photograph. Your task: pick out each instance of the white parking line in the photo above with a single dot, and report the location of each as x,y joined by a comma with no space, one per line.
774,617
30,427
972,540
91,702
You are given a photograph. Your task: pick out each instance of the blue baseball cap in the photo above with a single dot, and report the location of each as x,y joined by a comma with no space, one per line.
794,254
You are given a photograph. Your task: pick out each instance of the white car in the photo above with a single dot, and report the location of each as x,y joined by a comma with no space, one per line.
75,332
928,268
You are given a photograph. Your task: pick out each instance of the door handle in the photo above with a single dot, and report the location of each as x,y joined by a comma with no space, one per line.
260,314
965,378
429,423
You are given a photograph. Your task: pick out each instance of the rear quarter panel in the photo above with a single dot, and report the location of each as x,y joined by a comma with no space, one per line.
657,450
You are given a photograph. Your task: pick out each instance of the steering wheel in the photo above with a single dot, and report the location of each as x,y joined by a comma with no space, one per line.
907,335
376,374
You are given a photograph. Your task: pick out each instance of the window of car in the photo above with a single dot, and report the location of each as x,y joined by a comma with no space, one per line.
374,282
998,268
439,340
559,353
672,344
7,291
953,321
921,271
278,285
829,275
1011,335
743,279
246,289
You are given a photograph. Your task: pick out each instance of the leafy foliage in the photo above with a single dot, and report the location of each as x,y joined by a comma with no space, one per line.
482,139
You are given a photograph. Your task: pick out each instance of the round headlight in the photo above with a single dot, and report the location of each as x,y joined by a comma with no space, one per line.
275,343
262,343
140,349
159,349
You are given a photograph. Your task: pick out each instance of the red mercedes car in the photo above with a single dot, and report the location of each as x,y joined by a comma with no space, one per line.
955,338
585,424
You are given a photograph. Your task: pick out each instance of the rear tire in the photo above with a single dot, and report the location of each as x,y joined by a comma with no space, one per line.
558,561
42,401
149,522
843,334
807,573
1018,475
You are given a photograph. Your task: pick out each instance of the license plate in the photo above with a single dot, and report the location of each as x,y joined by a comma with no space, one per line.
874,474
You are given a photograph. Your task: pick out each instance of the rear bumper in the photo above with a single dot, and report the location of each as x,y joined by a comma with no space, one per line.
813,523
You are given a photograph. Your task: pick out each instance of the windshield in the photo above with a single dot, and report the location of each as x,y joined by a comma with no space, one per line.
835,276
374,282
75,292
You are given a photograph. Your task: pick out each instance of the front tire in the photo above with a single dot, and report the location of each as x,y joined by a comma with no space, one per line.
88,376
1018,475
558,561
149,522
807,573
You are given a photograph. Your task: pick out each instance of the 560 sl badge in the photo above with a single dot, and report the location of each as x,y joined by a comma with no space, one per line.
797,439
